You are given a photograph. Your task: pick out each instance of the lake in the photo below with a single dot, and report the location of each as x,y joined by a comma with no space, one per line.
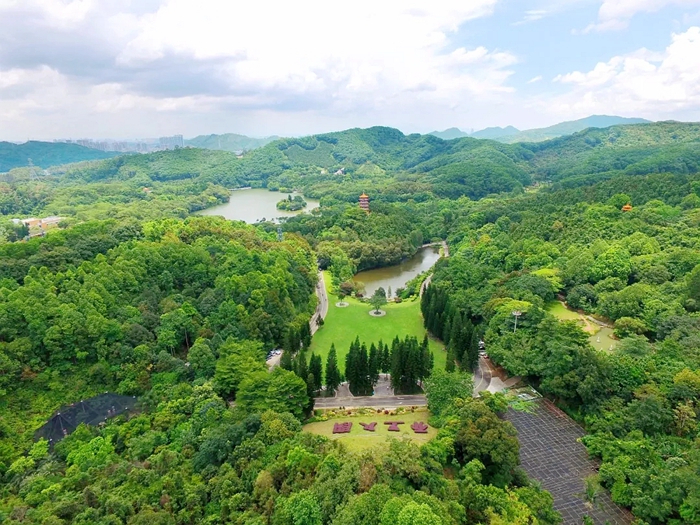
397,276
254,205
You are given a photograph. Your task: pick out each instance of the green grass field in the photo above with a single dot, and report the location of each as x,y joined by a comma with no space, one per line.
342,325
601,337
359,439
560,311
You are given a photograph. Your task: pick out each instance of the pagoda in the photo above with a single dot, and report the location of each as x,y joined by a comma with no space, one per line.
364,202
627,207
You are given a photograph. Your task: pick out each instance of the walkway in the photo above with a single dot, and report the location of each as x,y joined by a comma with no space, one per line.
370,401
551,453
445,253
322,307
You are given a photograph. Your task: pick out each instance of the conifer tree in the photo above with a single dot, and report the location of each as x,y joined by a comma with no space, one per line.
286,360
450,363
446,331
364,385
292,341
426,357
351,367
300,366
456,328
472,353
374,364
305,335
396,364
316,368
332,372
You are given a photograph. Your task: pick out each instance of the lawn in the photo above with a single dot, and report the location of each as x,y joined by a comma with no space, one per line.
359,439
343,325
601,337
558,310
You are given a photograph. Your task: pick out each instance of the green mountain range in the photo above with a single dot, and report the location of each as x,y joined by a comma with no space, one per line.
568,128
46,154
228,142
496,133
510,134
393,167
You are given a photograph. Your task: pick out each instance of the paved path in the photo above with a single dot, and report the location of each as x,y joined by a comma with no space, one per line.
445,253
322,307
274,361
482,376
370,401
551,453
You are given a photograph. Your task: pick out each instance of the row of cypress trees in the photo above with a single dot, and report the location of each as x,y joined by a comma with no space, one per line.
455,328
408,362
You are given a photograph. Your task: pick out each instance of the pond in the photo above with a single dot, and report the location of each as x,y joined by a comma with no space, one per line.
253,205
604,339
398,275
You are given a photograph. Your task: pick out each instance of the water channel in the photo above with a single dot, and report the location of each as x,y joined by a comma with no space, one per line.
398,275
253,205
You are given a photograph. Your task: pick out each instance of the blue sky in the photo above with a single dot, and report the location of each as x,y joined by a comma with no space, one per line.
144,68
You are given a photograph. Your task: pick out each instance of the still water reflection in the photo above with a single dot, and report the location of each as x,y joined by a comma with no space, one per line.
255,205
397,276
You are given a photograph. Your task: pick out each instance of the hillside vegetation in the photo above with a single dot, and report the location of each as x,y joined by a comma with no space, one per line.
46,154
131,295
566,128
639,271
512,135
337,167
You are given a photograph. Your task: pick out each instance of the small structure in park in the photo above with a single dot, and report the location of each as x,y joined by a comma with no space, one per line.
627,207
93,411
394,425
364,202
419,427
342,428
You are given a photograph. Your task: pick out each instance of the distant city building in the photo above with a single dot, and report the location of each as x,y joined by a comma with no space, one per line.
364,202
176,141
135,146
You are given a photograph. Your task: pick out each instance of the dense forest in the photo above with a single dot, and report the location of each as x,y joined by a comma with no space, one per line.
134,294
637,269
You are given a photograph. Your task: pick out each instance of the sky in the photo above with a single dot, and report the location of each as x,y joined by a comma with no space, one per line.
149,68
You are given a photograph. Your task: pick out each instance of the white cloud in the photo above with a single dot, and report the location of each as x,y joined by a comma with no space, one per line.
114,57
615,14
322,47
640,83
532,16
535,79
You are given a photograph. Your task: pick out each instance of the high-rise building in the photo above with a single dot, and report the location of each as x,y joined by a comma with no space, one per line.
176,141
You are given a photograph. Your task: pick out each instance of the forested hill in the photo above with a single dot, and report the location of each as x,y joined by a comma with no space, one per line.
46,154
511,135
390,166
672,147
565,128
399,166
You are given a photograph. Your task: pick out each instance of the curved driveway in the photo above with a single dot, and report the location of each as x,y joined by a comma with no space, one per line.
322,307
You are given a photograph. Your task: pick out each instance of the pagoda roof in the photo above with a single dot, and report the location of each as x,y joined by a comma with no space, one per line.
364,196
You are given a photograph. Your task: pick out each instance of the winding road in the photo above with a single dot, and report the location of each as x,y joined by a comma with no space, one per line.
322,307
